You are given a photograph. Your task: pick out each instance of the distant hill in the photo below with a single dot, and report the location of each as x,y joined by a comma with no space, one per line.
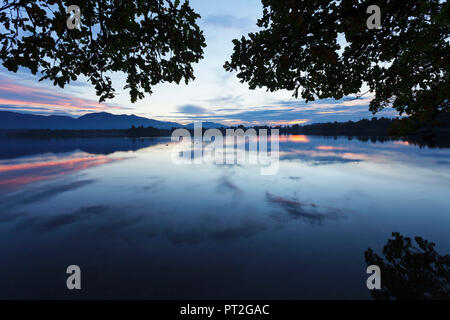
205,125
91,121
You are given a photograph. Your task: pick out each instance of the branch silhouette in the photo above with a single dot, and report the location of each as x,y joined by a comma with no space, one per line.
410,272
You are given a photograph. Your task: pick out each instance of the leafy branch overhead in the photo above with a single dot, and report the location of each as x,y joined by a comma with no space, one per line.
410,272
151,41
323,49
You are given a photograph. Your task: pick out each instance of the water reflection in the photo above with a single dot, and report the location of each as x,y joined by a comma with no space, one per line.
296,138
308,212
142,227
11,148
41,193
23,162
16,174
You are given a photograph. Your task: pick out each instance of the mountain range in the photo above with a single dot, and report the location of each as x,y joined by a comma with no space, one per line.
90,121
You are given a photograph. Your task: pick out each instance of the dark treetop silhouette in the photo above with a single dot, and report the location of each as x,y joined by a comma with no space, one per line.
405,63
410,272
151,41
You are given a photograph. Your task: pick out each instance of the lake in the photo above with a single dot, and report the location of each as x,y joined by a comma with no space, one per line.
140,226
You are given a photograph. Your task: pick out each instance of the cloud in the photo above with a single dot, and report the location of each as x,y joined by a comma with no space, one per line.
42,193
17,95
47,224
233,99
293,178
315,153
192,109
284,112
226,185
15,175
308,212
316,159
228,21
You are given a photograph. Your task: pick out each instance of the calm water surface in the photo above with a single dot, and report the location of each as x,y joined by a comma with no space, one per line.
140,226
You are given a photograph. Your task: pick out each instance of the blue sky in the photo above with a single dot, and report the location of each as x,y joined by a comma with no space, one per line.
215,95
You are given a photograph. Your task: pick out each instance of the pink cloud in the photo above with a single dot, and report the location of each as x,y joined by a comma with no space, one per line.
17,96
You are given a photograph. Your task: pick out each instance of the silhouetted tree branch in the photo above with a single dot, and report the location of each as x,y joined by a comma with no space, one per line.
151,41
409,272
300,47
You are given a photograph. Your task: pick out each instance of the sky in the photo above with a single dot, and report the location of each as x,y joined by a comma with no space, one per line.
215,95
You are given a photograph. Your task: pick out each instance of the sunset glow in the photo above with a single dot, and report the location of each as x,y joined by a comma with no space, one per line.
329,148
298,138
290,123
13,176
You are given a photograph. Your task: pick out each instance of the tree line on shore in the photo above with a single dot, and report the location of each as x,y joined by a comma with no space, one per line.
381,128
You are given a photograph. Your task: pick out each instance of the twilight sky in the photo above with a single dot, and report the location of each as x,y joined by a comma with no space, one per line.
215,95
